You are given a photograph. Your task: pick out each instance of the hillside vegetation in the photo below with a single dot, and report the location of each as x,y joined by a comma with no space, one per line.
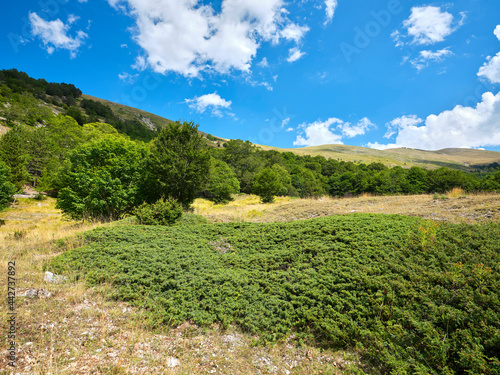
410,295
454,158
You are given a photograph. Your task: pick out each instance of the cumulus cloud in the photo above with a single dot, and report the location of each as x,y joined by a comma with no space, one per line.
427,25
187,36
331,6
54,34
491,68
461,127
426,57
294,54
331,131
213,102
400,123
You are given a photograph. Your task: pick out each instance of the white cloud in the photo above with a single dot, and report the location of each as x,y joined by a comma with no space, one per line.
399,123
187,37
54,34
213,102
497,32
293,32
127,77
285,122
327,132
331,6
294,54
461,127
140,63
319,133
426,56
491,68
351,131
72,19
82,1
427,25
263,63
289,130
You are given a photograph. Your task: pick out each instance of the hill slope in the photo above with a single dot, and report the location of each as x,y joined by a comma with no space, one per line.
455,158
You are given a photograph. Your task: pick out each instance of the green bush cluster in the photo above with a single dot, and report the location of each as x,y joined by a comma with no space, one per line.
162,212
411,296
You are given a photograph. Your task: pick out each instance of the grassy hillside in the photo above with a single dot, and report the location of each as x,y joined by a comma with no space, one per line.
455,158
410,295
148,119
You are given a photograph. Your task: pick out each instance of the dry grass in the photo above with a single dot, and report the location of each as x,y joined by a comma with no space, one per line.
77,330
459,208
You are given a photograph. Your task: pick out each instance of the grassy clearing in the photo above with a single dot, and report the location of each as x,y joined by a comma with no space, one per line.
409,295
458,208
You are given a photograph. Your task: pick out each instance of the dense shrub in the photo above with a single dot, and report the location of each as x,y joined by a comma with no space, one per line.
162,212
411,296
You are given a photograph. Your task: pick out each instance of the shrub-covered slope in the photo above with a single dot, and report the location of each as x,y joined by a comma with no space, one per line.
411,295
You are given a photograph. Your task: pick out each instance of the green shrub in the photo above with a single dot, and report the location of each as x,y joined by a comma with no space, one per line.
412,296
40,197
162,212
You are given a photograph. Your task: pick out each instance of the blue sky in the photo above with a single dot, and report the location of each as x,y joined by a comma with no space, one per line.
377,74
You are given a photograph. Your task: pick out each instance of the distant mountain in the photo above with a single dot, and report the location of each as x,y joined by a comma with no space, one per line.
455,158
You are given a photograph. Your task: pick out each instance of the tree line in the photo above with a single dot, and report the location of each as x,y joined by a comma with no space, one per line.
96,172
101,166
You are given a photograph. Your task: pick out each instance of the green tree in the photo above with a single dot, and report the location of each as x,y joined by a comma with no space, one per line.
242,157
286,181
13,152
267,184
178,164
222,182
7,189
41,153
416,181
76,114
65,133
102,179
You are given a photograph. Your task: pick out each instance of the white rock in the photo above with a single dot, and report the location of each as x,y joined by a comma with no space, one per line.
173,362
53,278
